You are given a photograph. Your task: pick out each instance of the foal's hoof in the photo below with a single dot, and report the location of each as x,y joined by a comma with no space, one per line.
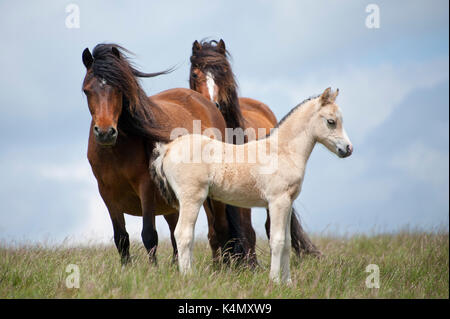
278,281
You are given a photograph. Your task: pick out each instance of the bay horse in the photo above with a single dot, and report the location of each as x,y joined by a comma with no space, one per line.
125,125
186,180
212,76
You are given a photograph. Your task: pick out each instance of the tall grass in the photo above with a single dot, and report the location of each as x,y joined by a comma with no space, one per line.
411,264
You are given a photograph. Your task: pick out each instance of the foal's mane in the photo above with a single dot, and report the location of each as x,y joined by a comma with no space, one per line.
291,112
209,59
112,64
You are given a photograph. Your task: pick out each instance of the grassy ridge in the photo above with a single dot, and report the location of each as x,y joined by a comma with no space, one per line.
412,265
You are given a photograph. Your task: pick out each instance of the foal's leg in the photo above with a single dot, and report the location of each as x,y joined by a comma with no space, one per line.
184,232
301,243
285,259
279,210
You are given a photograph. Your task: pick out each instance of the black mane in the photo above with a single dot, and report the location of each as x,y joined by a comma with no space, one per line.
110,63
210,59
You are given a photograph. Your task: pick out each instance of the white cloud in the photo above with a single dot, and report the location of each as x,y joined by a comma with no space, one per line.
71,172
423,163
368,95
97,227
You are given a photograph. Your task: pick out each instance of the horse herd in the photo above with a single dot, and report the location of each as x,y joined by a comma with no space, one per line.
132,135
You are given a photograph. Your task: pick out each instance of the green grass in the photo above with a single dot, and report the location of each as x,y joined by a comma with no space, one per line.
412,265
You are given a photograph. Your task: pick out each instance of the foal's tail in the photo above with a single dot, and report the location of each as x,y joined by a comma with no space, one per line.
158,175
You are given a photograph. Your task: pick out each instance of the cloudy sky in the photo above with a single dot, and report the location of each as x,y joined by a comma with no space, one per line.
393,82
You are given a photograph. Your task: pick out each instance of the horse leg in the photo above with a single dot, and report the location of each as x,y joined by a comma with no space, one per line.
172,220
267,225
121,238
184,233
249,236
218,234
226,233
279,214
148,234
212,236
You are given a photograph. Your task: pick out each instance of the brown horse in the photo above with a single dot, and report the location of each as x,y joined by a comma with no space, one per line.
211,75
125,125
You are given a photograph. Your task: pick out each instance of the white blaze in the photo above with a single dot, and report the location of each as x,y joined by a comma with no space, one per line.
210,84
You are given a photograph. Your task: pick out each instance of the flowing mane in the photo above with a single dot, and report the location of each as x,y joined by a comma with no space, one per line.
210,59
113,66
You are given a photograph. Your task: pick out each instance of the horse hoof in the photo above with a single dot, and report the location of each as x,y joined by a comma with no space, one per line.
126,261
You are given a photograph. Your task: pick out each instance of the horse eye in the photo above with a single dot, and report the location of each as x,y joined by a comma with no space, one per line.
194,75
331,122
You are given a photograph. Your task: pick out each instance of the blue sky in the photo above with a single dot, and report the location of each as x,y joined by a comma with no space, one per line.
394,96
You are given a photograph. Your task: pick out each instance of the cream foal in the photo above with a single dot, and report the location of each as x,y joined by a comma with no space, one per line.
192,167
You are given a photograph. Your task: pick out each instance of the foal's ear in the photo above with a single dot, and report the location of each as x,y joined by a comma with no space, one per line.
87,58
328,97
336,94
221,47
116,52
196,47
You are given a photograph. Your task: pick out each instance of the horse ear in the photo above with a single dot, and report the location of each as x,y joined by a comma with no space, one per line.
196,47
116,52
221,47
326,96
87,58
335,95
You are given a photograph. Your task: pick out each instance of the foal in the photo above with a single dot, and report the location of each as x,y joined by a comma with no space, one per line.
192,167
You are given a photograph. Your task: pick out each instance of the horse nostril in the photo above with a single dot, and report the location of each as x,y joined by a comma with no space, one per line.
96,129
112,131
349,149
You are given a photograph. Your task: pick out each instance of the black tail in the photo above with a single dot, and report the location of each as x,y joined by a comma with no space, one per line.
301,243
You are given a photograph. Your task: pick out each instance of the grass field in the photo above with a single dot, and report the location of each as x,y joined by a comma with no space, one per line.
412,265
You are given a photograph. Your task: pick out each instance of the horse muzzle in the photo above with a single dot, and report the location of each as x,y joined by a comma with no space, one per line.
105,136
345,152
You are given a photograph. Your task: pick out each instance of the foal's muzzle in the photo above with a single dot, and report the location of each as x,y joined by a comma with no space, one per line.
345,152
105,136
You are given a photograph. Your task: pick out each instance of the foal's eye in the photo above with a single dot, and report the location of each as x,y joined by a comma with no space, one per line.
194,75
331,122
